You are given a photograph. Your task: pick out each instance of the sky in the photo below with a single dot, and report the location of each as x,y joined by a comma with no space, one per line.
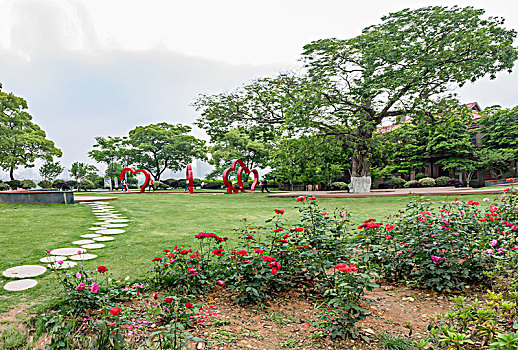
102,67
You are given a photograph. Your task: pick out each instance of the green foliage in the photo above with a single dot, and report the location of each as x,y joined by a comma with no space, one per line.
408,183
14,184
441,180
50,170
160,185
4,186
495,160
87,184
45,184
27,184
402,66
444,248
394,342
427,182
80,171
21,141
499,128
339,186
157,147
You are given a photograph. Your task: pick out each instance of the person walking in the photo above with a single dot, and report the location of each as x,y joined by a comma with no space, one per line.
264,186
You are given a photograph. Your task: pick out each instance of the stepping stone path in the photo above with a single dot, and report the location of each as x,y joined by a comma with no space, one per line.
53,258
83,256
112,220
67,251
83,241
91,235
24,271
93,246
16,286
64,265
103,239
112,231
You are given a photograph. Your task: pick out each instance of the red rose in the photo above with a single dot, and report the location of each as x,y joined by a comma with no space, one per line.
169,300
242,252
156,259
189,305
115,310
279,211
102,269
301,199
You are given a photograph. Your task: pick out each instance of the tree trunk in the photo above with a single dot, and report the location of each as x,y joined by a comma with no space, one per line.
11,174
360,170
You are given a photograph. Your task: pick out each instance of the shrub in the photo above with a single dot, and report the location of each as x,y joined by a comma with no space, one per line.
211,186
159,185
62,185
342,186
420,176
56,183
171,183
45,184
87,185
397,182
445,248
384,185
454,182
14,184
441,180
72,183
4,186
27,184
412,183
477,183
427,182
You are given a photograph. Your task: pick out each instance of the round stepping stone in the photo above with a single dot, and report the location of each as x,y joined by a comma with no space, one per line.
94,228
83,257
54,258
93,246
103,239
99,223
24,271
117,220
67,251
111,231
115,225
91,235
83,241
16,286
65,265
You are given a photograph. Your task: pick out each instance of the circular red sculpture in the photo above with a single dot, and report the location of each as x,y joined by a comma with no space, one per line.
134,172
190,178
242,168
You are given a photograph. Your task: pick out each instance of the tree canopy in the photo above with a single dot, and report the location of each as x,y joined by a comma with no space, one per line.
157,147
21,140
402,66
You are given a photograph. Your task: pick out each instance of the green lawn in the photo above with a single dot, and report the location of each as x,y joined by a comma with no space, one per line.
157,221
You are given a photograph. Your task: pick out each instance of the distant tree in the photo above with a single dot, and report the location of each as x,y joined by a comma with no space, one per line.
50,170
21,140
80,171
108,151
237,144
495,160
499,128
162,146
436,137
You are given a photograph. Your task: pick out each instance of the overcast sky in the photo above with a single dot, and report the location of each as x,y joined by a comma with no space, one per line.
101,67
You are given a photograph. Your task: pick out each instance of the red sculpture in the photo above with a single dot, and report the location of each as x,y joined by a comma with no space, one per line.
145,172
243,167
190,178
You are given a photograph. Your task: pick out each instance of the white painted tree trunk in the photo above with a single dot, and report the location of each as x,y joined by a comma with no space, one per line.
360,184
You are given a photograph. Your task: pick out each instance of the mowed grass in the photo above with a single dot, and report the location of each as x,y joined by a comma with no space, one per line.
157,221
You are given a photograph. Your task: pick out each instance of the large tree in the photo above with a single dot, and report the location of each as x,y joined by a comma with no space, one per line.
50,170
80,171
162,146
21,140
499,128
398,67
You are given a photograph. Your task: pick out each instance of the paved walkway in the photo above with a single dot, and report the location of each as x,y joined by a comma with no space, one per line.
86,198
427,191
